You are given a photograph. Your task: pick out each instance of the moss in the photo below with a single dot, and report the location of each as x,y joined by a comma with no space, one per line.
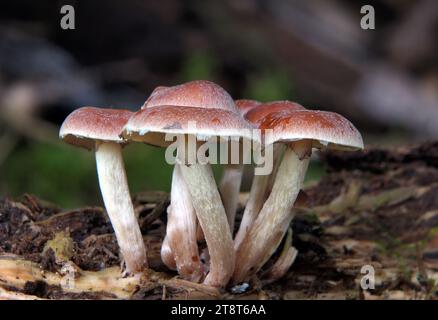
62,246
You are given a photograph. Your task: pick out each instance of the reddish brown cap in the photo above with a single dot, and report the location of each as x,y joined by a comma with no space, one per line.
200,93
200,108
153,96
258,114
325,129
151,124
86,125
245,105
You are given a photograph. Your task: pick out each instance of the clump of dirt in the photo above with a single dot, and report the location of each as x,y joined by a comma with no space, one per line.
27,224
374,208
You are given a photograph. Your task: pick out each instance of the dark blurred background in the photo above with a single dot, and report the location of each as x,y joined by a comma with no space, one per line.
314,52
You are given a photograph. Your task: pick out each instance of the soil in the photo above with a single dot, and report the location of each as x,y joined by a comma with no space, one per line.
376,207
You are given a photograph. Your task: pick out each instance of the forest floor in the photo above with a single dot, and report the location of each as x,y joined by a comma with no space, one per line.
375,208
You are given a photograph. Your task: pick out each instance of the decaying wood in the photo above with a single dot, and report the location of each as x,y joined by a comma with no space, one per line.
17,272
108,283
376,208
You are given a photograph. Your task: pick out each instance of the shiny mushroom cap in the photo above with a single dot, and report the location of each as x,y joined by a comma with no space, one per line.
199,108
86,125
257,114
200,93
323,128
246,105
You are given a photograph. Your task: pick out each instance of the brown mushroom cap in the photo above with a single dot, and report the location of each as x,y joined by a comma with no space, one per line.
151,124
200,93
87,124
153,95
257,114
325,129
246,105
204,104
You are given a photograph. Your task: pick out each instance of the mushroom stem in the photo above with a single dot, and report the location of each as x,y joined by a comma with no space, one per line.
166,253
181,230
277,155
229,189
260,189
213,220
284,261
252,208
115,193
274,219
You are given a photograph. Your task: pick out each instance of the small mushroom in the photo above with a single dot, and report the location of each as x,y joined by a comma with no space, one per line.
179,248
173,110
299,131
98,129
182,219
262,184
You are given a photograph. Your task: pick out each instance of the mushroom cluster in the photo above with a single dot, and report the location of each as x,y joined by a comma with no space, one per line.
199,114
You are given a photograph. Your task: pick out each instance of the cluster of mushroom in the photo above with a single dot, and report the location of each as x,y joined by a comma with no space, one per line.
199,209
